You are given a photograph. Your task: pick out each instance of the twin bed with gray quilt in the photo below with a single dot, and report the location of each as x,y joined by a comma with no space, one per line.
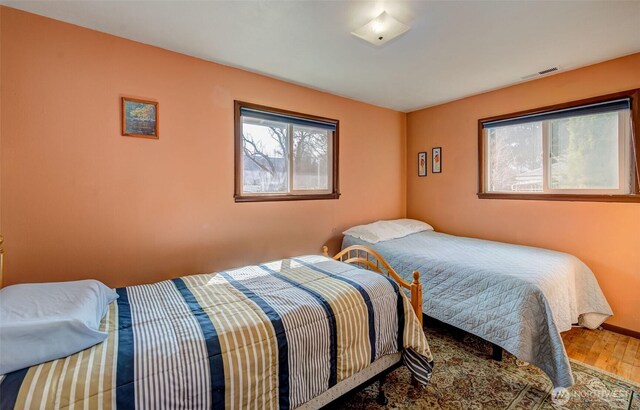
519,298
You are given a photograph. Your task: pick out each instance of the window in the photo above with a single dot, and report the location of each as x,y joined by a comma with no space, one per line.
282,155
586,150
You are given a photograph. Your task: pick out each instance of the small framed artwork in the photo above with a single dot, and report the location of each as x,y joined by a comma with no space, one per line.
139,118
436,160
422,164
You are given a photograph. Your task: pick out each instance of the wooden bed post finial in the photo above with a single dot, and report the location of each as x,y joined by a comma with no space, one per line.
416,295
325,250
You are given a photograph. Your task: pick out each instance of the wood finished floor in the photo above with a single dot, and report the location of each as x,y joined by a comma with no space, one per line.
606,350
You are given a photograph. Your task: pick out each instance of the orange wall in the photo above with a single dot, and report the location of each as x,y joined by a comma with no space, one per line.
606,236
81,201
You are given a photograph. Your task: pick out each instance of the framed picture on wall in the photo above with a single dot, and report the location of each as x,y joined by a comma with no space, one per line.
436,160
422,164
139,118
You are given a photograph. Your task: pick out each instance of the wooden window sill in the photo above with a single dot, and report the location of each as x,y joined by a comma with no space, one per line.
562,197
271,198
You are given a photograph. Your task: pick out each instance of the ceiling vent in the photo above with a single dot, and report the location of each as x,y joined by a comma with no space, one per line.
541,73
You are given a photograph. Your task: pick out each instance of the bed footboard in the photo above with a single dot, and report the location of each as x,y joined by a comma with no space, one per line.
369,259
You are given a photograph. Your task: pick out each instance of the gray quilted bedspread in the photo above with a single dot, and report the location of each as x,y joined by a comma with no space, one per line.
518,297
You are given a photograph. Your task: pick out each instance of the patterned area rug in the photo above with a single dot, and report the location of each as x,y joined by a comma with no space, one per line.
465,377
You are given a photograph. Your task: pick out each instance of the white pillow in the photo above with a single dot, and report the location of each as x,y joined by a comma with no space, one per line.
46,321
386,230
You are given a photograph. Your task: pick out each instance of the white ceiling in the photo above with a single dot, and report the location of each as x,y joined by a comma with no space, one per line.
454,49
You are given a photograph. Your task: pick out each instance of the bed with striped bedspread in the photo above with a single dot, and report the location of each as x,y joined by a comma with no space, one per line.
271,336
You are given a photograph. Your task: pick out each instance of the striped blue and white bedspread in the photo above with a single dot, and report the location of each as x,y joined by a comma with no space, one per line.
268,336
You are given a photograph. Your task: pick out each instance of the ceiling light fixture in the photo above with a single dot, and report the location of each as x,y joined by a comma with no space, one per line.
381,29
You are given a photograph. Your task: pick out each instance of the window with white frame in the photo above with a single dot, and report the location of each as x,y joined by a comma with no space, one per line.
282,155
576,150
